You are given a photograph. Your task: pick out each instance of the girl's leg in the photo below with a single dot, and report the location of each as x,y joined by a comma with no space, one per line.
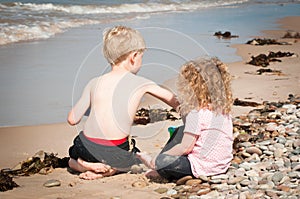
175,139
173,167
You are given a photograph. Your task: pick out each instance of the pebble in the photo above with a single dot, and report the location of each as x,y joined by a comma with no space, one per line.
161,190
236,180
252,150
183,180
203,191
52,183
277,177
139,183
193,182
266,162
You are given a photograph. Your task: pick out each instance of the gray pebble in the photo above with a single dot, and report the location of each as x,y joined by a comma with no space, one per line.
52,183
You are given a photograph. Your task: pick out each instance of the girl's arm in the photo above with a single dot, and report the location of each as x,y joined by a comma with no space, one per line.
81,106
185,147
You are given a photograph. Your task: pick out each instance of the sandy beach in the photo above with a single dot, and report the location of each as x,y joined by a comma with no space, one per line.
19,143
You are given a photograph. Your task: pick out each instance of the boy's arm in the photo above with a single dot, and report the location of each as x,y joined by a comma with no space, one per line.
163,94
81,106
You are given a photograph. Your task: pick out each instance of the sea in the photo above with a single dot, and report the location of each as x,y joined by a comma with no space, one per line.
49,49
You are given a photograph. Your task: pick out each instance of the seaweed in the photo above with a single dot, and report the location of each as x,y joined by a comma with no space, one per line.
41,162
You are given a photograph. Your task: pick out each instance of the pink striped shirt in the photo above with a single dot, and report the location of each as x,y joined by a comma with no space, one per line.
212,153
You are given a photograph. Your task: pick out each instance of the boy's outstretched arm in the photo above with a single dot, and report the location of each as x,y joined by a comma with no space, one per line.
81,106
163,94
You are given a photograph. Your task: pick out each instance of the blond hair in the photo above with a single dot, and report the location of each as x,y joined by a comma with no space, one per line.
204,83
119,42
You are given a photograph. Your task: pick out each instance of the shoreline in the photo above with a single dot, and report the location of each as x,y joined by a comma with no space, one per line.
22,142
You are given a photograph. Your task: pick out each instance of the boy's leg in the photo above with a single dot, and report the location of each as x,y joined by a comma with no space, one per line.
83,166
96,167
91,171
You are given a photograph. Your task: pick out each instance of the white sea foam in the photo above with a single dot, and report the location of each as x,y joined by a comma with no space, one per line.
127,8
42,30
29,21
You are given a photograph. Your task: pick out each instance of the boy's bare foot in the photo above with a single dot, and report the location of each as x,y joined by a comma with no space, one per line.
95,167
146,159
90,175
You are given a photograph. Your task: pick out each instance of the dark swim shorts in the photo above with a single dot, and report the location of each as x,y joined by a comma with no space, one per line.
116,156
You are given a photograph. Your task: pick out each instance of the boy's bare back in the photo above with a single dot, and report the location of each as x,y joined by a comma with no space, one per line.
115,96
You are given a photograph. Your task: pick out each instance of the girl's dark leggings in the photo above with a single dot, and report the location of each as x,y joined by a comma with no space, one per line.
173,167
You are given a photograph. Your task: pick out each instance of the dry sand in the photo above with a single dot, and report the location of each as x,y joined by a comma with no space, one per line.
19,143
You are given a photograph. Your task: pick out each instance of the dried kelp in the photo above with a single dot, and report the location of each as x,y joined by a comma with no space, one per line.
238,102
41,162
225,35
144,116
290,35
6,182
261,42
264,60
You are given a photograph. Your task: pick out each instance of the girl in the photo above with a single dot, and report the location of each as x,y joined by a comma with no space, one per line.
203,146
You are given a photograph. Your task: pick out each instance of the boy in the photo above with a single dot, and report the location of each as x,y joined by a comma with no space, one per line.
102,148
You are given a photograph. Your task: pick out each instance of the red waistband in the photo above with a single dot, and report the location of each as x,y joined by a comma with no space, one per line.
107,142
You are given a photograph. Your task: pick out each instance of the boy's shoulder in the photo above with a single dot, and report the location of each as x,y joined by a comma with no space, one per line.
136,78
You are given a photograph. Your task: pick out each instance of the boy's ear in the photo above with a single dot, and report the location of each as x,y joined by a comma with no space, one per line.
133,56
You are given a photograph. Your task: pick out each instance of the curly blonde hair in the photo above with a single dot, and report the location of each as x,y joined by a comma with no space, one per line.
204,83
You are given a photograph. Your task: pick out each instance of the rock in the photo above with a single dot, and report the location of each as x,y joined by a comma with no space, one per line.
252,150
203,191
161,190
221,187
284,188
52,183
221,176
296,143
243,137
136,169
236,180
277,177
183,180
203,178
245,182
193,182
139,183
278,153
171,192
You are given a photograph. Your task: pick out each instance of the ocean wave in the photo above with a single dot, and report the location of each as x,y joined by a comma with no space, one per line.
29,21
43,30
122,8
